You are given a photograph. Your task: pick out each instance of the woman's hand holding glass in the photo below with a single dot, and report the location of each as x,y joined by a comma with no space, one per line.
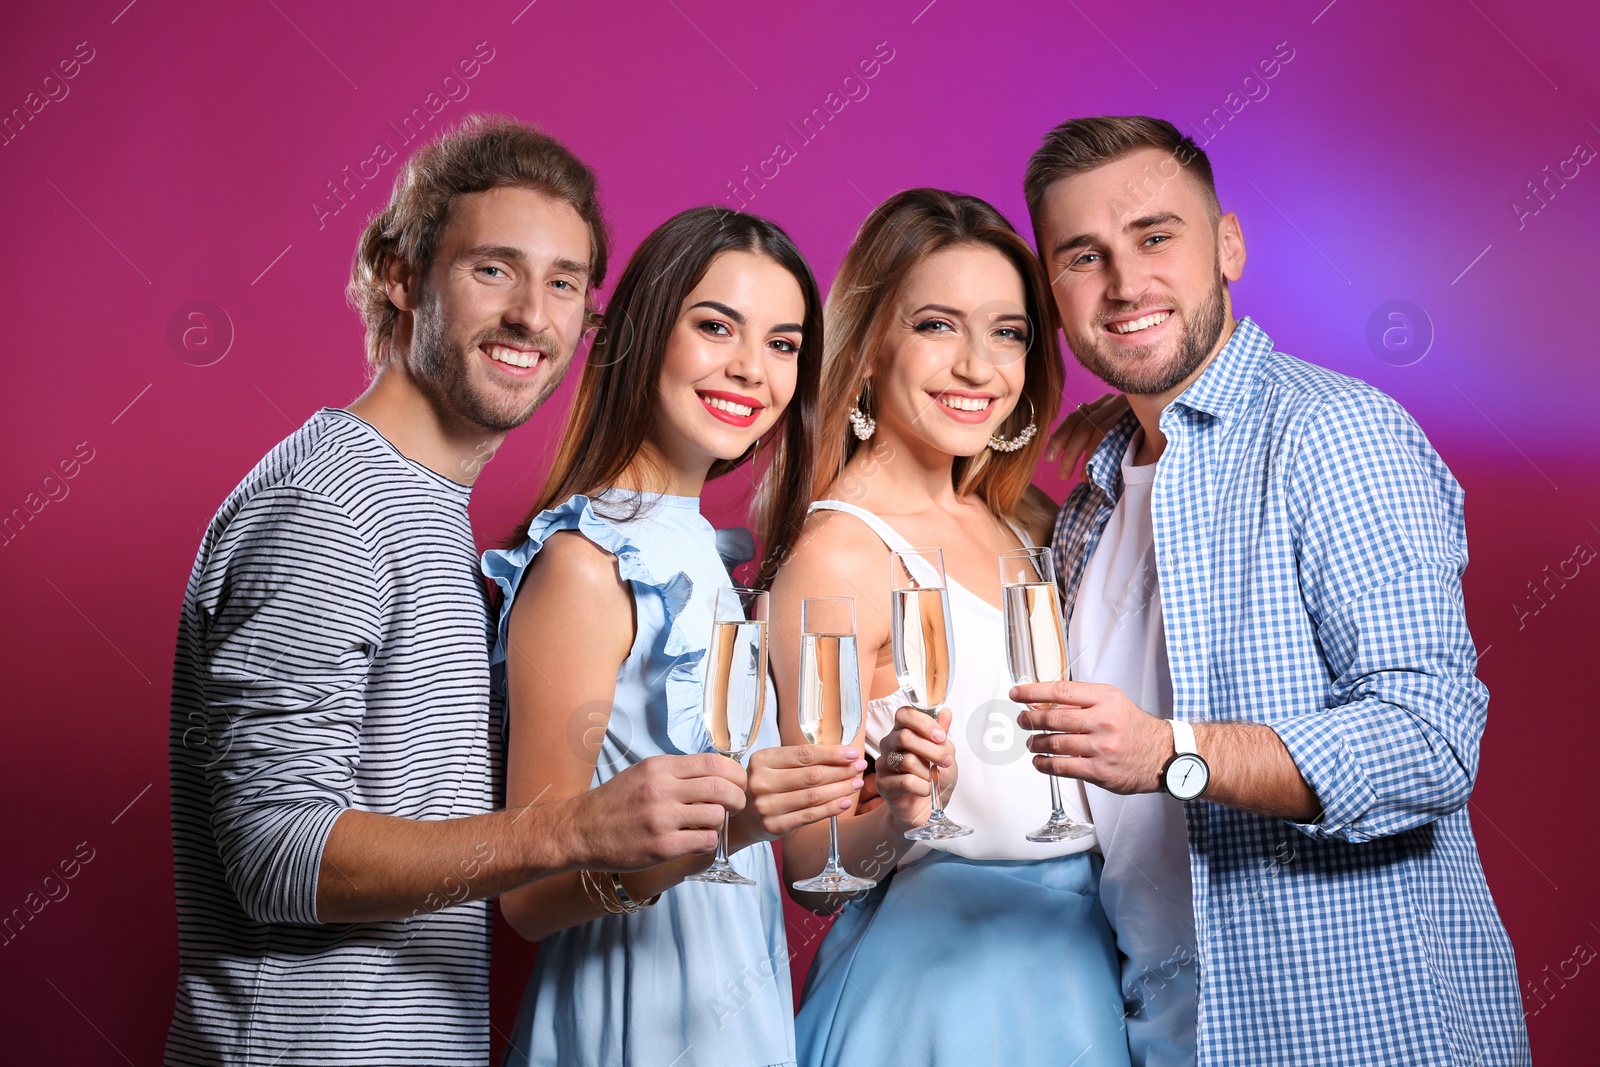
917,743
793,786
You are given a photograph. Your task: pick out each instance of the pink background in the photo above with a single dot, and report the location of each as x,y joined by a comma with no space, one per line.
182,161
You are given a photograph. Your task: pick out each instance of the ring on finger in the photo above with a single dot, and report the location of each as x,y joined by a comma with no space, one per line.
895,760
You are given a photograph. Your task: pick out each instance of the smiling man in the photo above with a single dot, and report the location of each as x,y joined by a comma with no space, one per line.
333,748
1277,712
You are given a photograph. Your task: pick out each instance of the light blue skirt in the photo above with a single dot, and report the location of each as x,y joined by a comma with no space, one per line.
952,961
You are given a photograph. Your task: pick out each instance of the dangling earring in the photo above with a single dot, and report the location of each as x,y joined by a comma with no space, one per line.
863,424
1000,444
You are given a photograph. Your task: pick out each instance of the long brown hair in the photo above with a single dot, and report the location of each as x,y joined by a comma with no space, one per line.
899,234
614,411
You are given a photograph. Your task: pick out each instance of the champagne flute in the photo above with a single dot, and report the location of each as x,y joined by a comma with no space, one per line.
1036,651
919,620
830,709
735,695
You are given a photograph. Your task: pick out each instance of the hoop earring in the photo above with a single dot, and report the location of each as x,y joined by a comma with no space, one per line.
1000,444
861,423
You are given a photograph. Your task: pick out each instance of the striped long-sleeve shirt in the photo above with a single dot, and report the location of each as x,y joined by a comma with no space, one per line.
1310,544
332,654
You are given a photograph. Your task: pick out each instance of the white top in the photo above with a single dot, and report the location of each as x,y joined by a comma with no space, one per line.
998,792
1115,637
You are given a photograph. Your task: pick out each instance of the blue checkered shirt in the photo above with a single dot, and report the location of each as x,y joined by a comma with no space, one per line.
1310,544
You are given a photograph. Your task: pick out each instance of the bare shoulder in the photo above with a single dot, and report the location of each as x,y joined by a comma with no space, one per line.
834,539
573,574
836,555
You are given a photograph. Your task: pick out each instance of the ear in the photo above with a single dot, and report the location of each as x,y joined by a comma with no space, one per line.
1230,247
402,284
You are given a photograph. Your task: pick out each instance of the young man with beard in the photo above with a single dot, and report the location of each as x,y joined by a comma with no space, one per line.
334,753
1278,714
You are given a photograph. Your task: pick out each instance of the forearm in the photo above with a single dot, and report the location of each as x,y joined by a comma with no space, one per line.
1252,770
870,844
377,867
559,903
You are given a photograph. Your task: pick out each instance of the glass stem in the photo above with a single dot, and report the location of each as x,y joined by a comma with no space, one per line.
833,843
937,813
1057,812
722,842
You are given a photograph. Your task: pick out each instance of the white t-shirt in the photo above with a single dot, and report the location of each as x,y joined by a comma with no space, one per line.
1116,637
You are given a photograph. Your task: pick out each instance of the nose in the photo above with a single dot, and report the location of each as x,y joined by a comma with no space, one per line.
975,364
747,361
529,307
1126,281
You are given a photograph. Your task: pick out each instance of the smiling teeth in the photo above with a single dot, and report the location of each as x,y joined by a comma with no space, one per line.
1141,324
729,406
502,354
966,403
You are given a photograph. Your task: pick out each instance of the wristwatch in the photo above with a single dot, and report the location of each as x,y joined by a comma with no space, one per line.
1186,774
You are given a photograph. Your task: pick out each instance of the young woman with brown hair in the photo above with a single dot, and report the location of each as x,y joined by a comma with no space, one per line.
709,352
941,377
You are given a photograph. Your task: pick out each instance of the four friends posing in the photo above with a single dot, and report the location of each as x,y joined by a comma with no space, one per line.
1273,723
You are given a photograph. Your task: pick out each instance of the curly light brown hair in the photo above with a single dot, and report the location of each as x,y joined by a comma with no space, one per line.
480,153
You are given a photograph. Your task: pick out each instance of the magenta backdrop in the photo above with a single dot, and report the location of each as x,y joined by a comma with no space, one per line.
156,155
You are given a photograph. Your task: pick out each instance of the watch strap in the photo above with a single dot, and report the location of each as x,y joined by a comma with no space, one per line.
1183,738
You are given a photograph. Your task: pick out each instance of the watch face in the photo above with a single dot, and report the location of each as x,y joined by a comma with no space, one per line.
1187,776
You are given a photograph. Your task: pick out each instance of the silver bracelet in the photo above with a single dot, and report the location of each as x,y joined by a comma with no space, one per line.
629,905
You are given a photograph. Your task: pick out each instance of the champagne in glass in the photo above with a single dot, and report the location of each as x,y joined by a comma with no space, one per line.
1036,651
919,622
735,695
830,709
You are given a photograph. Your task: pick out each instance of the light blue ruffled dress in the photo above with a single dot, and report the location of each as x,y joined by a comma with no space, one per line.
702,977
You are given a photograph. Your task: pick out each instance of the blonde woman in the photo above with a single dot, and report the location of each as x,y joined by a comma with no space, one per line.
941,376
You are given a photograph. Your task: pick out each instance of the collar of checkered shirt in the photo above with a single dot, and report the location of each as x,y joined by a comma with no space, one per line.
1221,391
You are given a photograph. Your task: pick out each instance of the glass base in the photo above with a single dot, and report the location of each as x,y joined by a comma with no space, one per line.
722,874
833,880
1064,828
940,829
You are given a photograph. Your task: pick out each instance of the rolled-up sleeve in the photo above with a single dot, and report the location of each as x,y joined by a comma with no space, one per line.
1381,550
291,635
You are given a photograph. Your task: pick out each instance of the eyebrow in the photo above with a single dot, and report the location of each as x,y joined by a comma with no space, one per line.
516,255
572,266
1143,222
954,313
721,309
724,309
495,252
